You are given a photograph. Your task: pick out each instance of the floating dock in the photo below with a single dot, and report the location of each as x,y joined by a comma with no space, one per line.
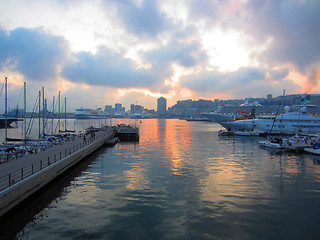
21,178
127,132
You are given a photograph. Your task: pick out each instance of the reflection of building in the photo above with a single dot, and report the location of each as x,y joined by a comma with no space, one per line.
162,105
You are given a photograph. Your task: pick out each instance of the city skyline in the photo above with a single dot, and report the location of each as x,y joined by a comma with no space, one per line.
134,51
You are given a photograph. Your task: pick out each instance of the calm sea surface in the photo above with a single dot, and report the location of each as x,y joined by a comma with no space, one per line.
181,181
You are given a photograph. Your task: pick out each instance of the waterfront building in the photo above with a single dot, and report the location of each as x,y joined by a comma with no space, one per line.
162,105
132,108
118,107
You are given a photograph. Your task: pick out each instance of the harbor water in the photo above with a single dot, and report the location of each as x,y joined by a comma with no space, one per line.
180,181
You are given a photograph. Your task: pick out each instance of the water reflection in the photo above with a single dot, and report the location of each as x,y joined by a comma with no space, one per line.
183,181
177,147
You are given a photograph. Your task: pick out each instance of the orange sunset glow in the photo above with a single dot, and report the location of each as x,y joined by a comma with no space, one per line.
102,53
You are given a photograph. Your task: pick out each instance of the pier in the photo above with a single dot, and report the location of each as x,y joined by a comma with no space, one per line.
22,177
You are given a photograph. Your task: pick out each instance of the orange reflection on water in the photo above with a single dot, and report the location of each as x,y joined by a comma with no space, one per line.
225,179
178,139
136,178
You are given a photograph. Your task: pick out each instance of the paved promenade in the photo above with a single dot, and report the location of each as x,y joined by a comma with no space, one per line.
22,177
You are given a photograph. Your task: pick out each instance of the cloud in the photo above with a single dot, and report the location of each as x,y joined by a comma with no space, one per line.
294,28
144,19
241,83
32,52
108,68
185,53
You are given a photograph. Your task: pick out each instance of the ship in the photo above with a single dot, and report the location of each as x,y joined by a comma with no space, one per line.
88,113
286,123
9,120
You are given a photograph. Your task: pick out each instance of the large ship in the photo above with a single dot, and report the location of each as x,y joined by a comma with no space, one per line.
88,113
287,123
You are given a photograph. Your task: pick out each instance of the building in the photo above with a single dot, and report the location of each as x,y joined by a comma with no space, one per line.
118,107
108,108
132,108
161,105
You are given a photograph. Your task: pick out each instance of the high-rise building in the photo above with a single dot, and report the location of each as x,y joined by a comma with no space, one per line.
108,108
162,105
118,107
132,108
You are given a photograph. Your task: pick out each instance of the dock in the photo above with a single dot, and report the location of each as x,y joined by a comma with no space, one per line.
22,177
127,132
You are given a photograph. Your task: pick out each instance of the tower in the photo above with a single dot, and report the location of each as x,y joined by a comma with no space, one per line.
161,105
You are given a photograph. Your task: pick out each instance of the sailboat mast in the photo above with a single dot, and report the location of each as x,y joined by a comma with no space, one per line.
59,110
39,114
43,103
25,109
6,107
65,114
52,114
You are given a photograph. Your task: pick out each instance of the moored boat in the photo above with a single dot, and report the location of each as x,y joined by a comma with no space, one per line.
252,132
315,149
288,123
296,142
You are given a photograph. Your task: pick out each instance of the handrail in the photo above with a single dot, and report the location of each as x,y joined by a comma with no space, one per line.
11,178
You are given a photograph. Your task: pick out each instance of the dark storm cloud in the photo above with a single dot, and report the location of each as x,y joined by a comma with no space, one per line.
143,20
107,69
31,52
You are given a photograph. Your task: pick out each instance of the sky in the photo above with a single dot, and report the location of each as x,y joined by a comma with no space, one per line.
102,52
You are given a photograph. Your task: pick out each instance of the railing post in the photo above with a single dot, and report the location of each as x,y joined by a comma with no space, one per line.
21,173
9,179
40,164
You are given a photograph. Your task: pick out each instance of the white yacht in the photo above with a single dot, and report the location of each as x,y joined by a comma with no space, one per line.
287,123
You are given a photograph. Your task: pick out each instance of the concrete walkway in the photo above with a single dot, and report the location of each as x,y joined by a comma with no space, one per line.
22,177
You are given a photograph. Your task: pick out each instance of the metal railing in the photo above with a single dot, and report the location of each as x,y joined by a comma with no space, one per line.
18,175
